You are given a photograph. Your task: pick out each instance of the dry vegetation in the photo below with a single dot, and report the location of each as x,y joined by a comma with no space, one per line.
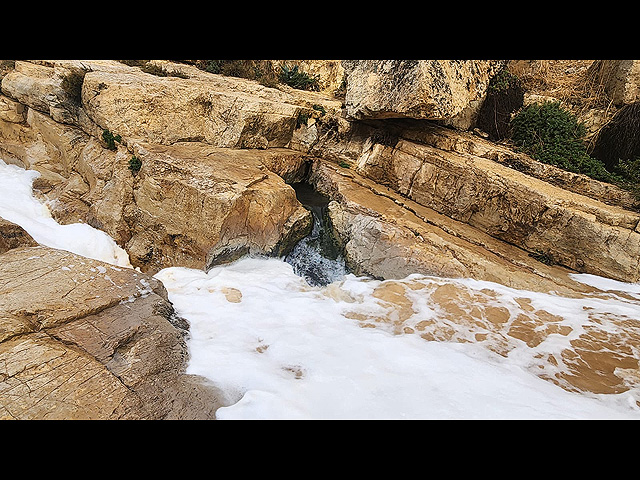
576,84
570,81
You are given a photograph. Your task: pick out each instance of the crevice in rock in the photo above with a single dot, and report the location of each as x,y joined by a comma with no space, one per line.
318,257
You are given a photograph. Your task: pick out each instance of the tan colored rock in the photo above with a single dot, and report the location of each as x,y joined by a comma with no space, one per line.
330,73
42,144
46,87
12,111
96,342
514,207
389,236
197,205
245,206
13,236
424,89
458,177
620,79
221,111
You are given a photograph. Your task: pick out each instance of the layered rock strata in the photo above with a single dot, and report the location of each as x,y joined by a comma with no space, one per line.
462,181
99,343
388,236
191,203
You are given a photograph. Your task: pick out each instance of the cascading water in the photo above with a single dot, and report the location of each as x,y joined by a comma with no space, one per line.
316,257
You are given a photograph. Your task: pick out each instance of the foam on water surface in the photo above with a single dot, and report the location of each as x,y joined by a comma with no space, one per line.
18,205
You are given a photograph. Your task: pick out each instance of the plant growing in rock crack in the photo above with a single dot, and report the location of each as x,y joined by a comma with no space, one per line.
135,164
302,119
298,79
111,139
550,134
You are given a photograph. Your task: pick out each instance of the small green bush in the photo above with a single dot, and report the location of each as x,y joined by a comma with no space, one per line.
550,134
302,119
319,108
298,79
135,164
628,173
111,139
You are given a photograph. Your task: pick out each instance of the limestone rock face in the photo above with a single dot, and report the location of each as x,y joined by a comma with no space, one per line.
620,78
516,208
219,200
210,108
389,236
457,179
39,87
81,339
13,236
196,205
424,89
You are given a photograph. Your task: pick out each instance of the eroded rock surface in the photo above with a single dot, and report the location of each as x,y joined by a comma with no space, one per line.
459,178
81,339
13,236
197,205
389,236
425,89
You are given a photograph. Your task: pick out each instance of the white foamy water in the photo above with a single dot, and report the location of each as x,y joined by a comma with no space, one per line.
281,349
18,205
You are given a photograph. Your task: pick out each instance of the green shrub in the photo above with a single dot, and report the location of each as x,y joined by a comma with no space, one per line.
505,95
111,139
302,119
135,164
628,173
320,108
503,81
298,79
552,135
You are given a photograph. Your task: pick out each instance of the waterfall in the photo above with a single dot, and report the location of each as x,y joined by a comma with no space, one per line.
317,257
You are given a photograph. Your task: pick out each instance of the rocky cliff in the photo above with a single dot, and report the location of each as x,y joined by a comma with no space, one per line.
183,167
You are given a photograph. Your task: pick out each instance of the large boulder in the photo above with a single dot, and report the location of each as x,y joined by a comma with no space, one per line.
222,111
423,89
100,342
241,204
196,205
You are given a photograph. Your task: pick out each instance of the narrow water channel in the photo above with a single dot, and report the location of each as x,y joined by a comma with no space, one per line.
317,257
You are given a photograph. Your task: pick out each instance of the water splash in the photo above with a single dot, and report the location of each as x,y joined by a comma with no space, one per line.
317,257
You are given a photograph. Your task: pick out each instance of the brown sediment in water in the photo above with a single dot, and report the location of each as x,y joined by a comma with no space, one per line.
580,346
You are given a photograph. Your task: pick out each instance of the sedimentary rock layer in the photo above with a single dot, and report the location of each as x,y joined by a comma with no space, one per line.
81,339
